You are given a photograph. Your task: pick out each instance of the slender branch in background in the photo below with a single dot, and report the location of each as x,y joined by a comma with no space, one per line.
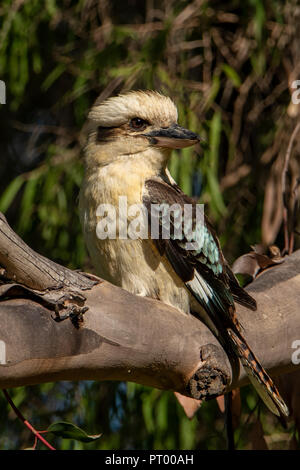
228,421
288,246
29,426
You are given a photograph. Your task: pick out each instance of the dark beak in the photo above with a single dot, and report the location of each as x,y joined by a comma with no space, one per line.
173,137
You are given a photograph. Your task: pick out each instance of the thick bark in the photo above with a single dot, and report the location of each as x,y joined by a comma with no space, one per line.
125,337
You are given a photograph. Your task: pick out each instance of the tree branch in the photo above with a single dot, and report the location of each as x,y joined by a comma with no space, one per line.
25,266
125,337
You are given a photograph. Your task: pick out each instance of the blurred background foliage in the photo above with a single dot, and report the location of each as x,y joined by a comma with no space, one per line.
229,68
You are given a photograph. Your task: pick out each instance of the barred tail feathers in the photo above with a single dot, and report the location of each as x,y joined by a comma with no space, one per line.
259,378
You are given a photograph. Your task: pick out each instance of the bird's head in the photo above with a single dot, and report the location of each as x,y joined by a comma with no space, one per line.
135,125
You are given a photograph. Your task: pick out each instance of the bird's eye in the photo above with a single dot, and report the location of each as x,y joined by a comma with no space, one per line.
138,123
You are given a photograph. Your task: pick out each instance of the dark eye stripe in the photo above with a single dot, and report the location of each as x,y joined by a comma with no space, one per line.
105,133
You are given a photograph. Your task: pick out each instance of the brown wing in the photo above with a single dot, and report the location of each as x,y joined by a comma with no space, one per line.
194,250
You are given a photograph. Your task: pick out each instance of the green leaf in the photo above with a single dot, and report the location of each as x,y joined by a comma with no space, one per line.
71,431
51,7
148,407
259,19
214,140
10,193
216,195
162,412
27,205
232,75
214,90
53,76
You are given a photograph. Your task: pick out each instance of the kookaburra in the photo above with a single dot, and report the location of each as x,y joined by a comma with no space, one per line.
130,140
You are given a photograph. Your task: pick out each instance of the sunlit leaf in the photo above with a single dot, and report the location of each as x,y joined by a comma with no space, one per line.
71,431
